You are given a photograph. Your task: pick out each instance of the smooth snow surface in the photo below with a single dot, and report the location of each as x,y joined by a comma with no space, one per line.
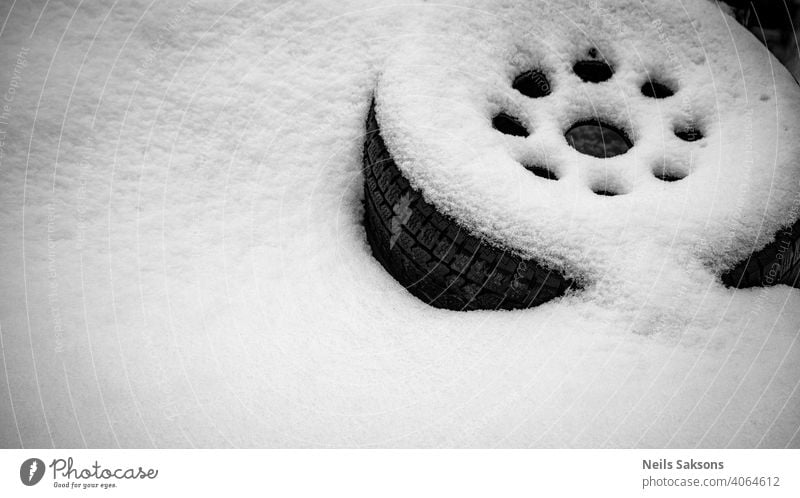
183,261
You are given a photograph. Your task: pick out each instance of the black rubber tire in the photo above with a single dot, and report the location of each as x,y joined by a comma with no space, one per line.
431,256
777,263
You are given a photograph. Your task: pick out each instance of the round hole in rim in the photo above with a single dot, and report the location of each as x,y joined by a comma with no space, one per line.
688,133
533,83
656,90
598,139
509,125
667,173
542,171
593,71
606,190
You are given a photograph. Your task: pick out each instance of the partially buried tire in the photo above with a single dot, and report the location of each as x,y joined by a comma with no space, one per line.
432,256
777,263
563,145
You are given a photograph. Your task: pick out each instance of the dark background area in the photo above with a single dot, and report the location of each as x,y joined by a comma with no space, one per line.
775,23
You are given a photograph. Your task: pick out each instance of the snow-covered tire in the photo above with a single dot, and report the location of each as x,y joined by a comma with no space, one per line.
777,263
497,126
431,256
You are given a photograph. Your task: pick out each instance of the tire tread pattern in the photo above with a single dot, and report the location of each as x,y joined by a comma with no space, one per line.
433,257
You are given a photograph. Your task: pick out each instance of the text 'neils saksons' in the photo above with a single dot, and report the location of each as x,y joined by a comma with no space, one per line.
664,464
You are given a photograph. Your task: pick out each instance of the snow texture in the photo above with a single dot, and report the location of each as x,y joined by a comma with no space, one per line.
184,265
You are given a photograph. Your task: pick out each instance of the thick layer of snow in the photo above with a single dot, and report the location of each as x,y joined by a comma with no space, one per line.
183,261
438,93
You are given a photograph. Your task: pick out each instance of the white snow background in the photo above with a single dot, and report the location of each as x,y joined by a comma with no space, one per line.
183,264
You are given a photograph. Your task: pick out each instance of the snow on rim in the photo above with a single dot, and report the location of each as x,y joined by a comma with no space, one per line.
439,91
